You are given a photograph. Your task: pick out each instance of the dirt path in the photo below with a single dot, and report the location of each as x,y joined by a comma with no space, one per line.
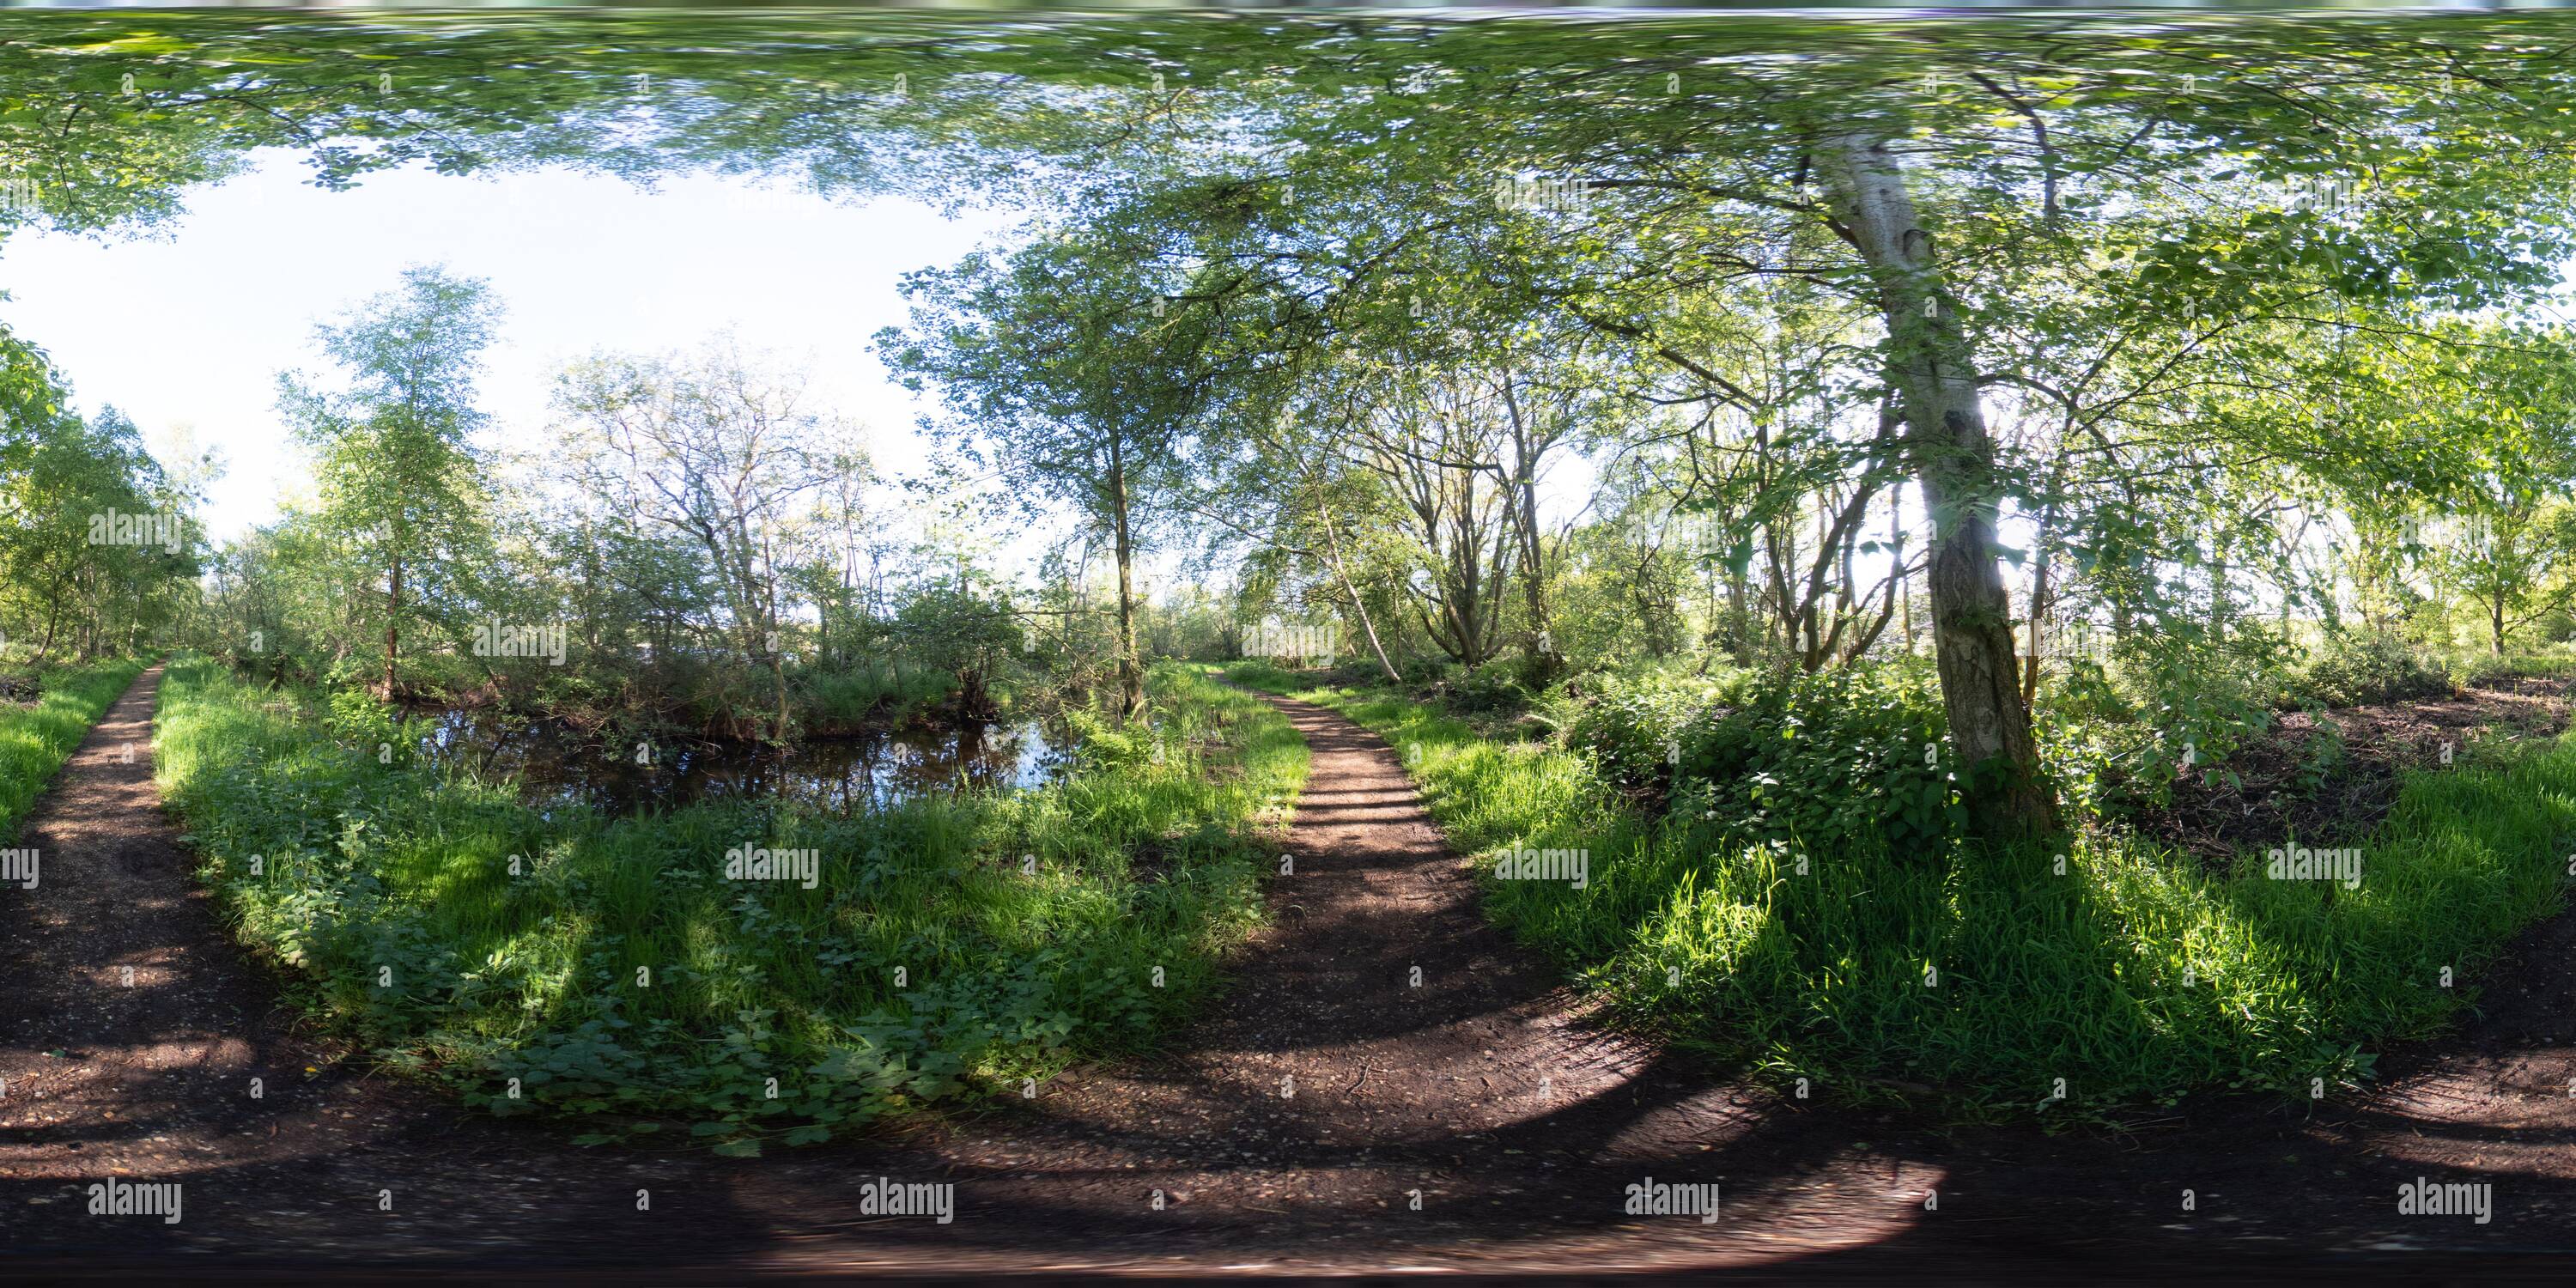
1288,1130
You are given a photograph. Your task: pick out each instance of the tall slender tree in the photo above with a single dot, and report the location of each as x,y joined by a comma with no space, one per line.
399,477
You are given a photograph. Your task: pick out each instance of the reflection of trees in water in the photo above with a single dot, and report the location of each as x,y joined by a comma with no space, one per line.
555,762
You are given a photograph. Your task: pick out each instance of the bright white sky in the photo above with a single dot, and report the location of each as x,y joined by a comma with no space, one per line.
192,328
186,332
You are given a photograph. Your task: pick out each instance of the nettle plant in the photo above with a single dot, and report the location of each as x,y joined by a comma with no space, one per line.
1632,729
1843,753
2194,705
357,720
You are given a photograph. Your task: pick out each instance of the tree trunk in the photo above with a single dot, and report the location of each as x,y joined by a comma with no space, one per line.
2219,607
2039,606
1534,588
1953,460
1523,495
2040,602
777,676
53,618
1905,576
1739,609
1131,675
393,616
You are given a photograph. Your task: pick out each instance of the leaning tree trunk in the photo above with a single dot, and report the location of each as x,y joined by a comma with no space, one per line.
1954,460
1368,625
53,618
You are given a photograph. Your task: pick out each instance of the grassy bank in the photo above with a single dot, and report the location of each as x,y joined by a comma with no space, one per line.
2135,976
35,740
613,968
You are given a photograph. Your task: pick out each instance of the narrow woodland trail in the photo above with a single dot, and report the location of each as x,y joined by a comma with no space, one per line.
1287,1128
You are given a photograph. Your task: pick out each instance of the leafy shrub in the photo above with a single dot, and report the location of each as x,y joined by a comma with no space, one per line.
2322,756
2178,706
2081,689
1630,727
1840,755
1493,686
1424,671
355,718
830,702
2483,669
2354,670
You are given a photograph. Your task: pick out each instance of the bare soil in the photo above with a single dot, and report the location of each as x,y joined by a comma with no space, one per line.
1289,1129
2328,777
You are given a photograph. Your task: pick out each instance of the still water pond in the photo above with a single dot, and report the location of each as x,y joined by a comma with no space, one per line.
556,763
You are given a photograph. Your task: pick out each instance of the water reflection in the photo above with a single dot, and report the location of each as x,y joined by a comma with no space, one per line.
556,763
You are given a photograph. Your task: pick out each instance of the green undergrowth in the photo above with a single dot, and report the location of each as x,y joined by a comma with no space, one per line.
610,969
36,738
1978,977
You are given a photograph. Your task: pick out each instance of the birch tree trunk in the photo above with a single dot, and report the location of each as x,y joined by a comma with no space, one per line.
1953,458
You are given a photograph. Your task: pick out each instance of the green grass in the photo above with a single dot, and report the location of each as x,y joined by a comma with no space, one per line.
847,700
35,740
618,973
2136,976
2476,668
